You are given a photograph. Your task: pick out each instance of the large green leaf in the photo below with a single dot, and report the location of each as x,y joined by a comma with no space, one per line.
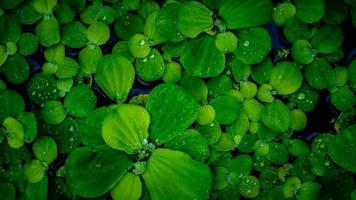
115,76
201,58
172,110
93,173
245,13
174,175
342,148
126,128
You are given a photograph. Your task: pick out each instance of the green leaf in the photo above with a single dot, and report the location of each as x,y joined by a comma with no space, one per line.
10,29
342,148
343,98
209,62
15,132
151,67
336,12
237,13
129,188
29,121
44,6
98,33
286,78
192,143
309,191
128,25
295,30
172,110
253,46
7,191
37,191
3,55
174,174
249,186
28,44
167,22
194,18
16,69
226,108
90,126
327,39
64,13
67,68
7,106
27,14
47,32
319,74
45,149
276,116
303,52
226,42
115,76
66,135
93,173
83,94
74,35
126,128
89,57
304,8
53,112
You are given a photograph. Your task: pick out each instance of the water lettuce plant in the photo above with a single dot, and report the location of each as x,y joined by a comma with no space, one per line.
177,99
